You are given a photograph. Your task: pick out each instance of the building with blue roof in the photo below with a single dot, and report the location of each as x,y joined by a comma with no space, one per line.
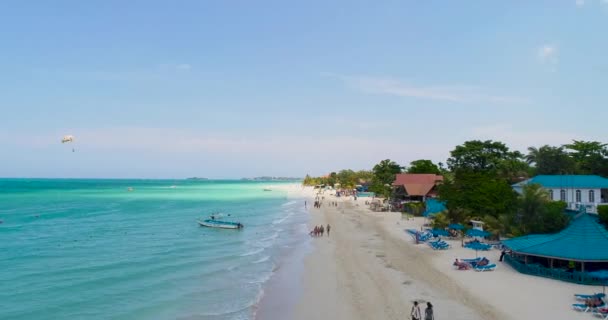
567,255
578,191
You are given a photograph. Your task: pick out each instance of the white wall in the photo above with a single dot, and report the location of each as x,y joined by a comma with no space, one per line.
571,197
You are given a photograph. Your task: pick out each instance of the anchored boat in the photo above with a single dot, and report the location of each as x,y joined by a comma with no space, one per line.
212,223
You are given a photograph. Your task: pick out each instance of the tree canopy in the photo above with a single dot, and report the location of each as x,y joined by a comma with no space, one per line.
481,156
423,166
384,176
551,160
478,178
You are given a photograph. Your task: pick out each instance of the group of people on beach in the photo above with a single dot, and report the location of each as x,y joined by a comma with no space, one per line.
417,314
319,230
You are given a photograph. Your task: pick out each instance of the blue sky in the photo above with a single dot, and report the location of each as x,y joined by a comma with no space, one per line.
226,89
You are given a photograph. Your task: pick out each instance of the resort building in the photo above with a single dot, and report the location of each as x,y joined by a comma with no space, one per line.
415,186
568,255
578,191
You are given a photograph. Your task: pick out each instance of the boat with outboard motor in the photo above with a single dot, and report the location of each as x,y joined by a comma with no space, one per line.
212,222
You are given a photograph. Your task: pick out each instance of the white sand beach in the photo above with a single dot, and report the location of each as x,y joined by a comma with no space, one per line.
369,268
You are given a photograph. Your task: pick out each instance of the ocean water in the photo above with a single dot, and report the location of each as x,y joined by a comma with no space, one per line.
91,249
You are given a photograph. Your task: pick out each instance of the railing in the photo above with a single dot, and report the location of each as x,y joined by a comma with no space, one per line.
559,274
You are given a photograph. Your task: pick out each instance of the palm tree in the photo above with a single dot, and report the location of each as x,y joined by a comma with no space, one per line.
532,207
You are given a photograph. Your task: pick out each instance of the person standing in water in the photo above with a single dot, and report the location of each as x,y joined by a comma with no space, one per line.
328,228
305,205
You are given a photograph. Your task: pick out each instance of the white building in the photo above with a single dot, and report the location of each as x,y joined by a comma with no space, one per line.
577,191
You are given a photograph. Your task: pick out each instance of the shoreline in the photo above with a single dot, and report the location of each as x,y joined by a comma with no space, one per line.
282,291
369,268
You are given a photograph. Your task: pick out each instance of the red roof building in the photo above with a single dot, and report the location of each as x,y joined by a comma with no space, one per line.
417,184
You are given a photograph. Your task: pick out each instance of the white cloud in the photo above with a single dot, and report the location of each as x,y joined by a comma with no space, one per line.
580,3
452,93
548,54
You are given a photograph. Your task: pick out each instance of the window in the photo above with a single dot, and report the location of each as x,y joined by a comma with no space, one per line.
591,196
562,195
550,194
578,196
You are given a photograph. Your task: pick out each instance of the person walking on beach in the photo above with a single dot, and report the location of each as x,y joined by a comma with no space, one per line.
328,228
305,205
415,311
428,312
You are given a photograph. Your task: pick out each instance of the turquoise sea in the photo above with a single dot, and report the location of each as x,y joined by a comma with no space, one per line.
91,249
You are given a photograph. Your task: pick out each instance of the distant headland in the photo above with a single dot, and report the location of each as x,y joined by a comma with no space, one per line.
272,179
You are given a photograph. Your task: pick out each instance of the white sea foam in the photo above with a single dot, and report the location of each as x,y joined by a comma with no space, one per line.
252,252
288,203
263,259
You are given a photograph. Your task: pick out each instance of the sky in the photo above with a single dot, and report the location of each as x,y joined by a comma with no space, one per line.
230,89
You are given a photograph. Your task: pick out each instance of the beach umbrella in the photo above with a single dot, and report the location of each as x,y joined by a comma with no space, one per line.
477,233
602,275
440,232
456,226
477,246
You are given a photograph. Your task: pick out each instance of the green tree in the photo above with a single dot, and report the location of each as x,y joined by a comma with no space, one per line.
514,170
531,207
347,178
384,176
590,156
440,221
423,166
602,211
479,155
554,218
551,160
477,193
332,179
538,214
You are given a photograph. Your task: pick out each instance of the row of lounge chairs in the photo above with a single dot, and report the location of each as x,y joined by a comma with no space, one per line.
439,245
423,236
480,264
594,303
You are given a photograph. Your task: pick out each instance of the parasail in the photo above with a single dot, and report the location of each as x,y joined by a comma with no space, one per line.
67,138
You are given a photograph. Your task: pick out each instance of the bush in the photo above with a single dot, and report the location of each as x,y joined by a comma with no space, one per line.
603,213
440,221
414,208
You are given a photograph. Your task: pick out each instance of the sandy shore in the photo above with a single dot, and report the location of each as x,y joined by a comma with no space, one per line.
369,268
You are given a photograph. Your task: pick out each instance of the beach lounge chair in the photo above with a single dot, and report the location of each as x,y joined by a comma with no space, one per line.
580,307
439,245
583,297
585,308
490,267
600,313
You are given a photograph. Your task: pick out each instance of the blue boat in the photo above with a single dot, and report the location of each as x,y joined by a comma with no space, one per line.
212,223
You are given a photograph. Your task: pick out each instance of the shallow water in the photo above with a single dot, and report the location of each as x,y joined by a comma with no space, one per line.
92,249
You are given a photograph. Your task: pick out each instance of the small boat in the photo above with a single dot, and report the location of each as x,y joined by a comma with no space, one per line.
267,189
212,223
130,189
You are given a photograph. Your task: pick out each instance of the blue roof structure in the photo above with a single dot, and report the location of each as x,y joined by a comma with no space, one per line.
566,182
585,239
433,206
